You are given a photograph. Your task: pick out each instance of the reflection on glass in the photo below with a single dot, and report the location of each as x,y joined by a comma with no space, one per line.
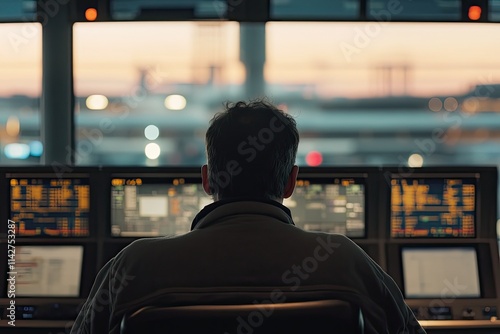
17,10
20,90
162,9
494,9
424,10
314,9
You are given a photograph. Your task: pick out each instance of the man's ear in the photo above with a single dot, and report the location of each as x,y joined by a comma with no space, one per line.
204,179
292,180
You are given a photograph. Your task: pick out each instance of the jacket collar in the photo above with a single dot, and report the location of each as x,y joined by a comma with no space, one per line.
241,205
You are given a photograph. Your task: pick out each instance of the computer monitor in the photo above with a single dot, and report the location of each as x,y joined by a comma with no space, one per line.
48,271
155,206
433,206
329,204
440,272
47,206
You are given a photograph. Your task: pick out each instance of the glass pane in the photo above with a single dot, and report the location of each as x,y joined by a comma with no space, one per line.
144,89
20,90
314,9
17,10
167,9
421,10
401,94
494,8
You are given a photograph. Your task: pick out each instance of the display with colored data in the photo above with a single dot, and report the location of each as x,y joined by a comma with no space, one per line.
50,207
49,271
440,272
334,205
433,207
150,207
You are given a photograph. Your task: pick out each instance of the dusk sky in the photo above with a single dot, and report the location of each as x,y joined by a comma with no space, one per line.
339,59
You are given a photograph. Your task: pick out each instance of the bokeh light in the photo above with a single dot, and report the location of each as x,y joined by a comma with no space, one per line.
314,158
17,151
91,14
175,102
435,104
152,151
12,127
151,132
97,102
450,104
415,160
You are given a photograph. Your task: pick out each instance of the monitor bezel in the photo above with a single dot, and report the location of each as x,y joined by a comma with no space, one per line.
62,248
152,178
371,175
87,268
437,175
487,282
486,196
437,248
325,174
42,175
368,174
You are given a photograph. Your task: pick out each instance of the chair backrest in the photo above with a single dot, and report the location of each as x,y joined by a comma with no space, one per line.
313,316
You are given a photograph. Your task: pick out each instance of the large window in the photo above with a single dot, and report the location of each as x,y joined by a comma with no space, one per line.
145,91
397,93
20,89
363,93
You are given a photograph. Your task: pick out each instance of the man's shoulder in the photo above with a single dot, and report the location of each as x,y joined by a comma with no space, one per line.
341,244
336,237
146,245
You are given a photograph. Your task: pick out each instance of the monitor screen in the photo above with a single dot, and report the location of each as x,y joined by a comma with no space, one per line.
335,205
149,207
50,207
428,207
49,271
450,272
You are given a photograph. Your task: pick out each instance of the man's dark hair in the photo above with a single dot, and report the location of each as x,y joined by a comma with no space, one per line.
251,150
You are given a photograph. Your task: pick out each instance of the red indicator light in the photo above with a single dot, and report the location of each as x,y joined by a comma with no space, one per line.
91,14
474,13
314,158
